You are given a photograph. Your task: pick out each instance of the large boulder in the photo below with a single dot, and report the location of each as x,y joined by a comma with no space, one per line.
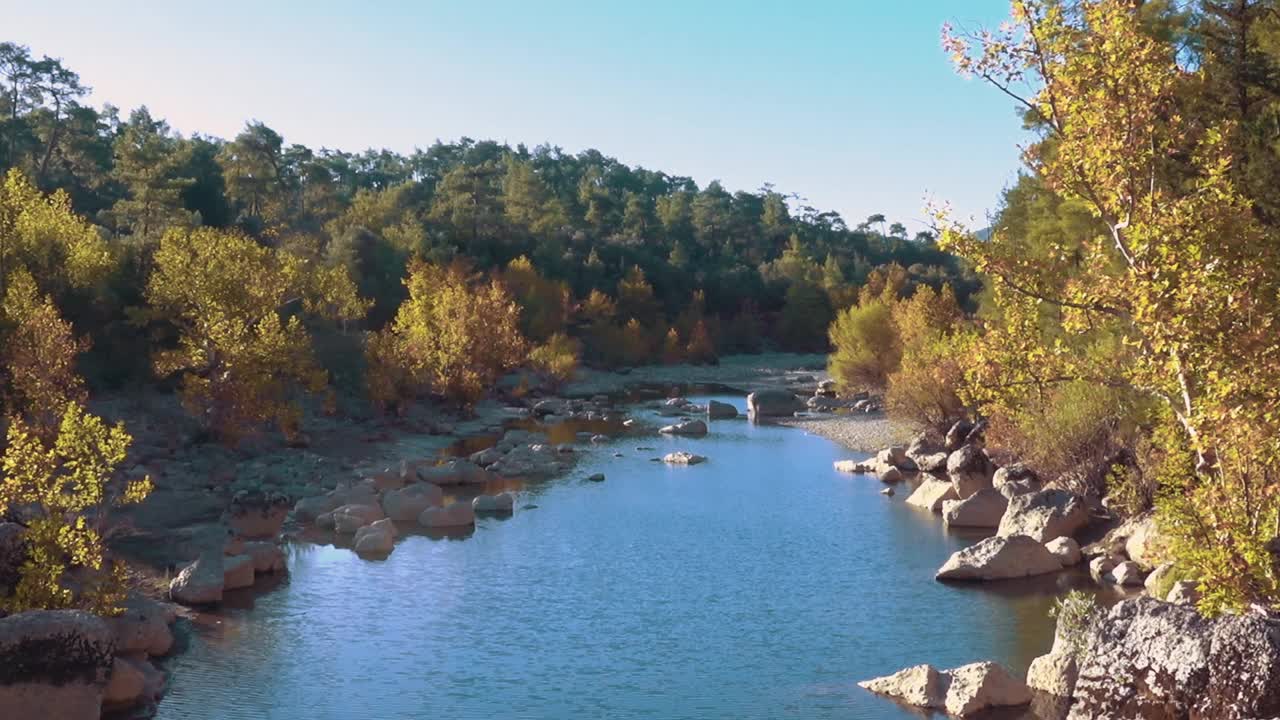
999,558
404,506
54,664
1054,673
921,446
237,572
201,582
957,436
1044,515
921,686
267,556
688,427
969,470
1066,550
455,515
717,410
982,685
1128,574
982,509
773,403
895,456
935,463
1145,544
854,467
1016,473
142,627
503,503
257,515
125,685
375,540
931,494
1150,659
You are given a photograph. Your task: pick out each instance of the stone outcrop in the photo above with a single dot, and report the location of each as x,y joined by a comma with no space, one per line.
961,691
999,558
969,470
54,664
773,403
982,509
1044,515
717,410
1148,659
1054,673
931,494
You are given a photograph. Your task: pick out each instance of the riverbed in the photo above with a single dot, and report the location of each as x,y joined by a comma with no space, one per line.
760,584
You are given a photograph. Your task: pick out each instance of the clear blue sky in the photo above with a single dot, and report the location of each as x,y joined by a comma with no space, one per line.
850,103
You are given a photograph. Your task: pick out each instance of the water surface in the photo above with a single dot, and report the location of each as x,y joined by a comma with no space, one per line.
761,584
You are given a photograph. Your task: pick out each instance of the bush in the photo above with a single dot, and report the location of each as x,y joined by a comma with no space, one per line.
866,347
1077,613
925,388
557,358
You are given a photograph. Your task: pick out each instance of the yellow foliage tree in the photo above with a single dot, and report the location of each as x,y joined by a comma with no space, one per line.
37,356
1183,272
544,303
67,484
454,336
243,353
557,358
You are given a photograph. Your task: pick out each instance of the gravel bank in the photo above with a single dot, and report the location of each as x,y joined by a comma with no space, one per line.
861,433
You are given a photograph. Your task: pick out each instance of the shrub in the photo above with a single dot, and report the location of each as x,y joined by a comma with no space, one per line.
866,347
1076,613
925,388
557,358
38,354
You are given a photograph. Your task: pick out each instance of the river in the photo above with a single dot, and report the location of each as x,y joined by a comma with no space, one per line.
761,584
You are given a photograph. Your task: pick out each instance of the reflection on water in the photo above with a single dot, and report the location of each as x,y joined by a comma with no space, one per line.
761,584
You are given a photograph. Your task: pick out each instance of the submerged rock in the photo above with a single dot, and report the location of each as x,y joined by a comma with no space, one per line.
920,685
960,691
999,558
377,539
717,410
688,427
680,457
856,467
503,502
454,515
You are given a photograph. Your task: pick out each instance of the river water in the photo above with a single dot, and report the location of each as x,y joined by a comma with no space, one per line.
761,584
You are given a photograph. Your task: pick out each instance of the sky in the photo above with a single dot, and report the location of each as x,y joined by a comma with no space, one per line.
850,104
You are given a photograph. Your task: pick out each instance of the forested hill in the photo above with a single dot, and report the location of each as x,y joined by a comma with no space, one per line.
765,269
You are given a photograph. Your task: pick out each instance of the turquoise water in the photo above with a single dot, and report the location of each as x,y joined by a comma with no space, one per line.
761,584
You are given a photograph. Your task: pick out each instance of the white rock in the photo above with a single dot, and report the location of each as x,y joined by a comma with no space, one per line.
981,685
999,558
350,518
969,470
931,494
201,582
680,457
1053,673
1128,574
404,506
504,502
1044,515
982,509
1066,550
921,685
688,427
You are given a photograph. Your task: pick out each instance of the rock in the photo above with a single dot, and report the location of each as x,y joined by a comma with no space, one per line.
551,406
895,456
1066,550
1156,580
773,403
54,664
1013,488
1044,515
267,556
142,627
981,685
454,515
970,470
1053,673
935,463
957,435
375,540
1017,472
920,685
237,572
13,553
404,506
680,457
717,410
931,494
921,446
529,461
501,503
827,387
596,477
199,583
486,457
999,558
309,508
1100,569
1127,574
1150,659
350,518
1184,592
853,466
688,427
125,685
890,475
823,403
1145,545
456,472
887,491
257,515
982,509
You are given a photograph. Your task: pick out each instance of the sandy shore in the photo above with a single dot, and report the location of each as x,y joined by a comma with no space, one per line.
861,433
